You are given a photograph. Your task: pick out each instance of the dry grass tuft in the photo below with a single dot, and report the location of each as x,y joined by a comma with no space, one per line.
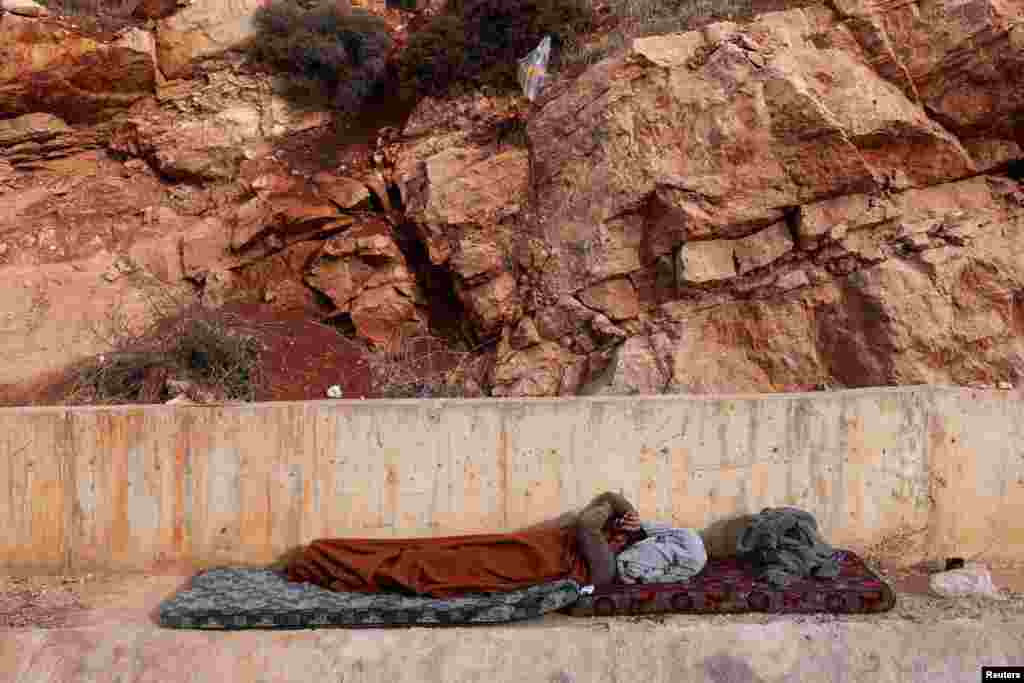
640,18
96,15
428,367
213,351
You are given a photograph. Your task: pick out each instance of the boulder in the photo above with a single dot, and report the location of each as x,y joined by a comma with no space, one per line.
491,304
831,218
563,318
32,137
365,257
707,261
345,193
68,206
740,347
154,9
263,225
712,260
740,125
464,185
533,371
205,130
463,201
59,313
252,220
266,176
23,8
45,68
524,335
823,196
205,248
762,248
789,203
634,368
201,29
365,275
963,64
464,193
616,298
279,280
182,151
386,316
474,261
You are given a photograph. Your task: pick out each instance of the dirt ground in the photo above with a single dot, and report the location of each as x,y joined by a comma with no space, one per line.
300,358
303,357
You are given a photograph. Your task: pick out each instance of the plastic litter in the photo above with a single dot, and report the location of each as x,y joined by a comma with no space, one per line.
533,69
972,579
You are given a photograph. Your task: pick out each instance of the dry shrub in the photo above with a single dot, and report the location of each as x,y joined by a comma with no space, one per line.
96,15
427,367
479,42
209,349
334,53
96,8
640,18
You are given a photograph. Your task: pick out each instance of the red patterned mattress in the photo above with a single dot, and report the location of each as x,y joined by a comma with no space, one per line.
729,586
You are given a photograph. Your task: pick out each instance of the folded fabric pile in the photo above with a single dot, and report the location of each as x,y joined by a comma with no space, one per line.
783,545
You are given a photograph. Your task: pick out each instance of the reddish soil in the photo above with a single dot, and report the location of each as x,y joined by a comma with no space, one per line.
45,390
302,358
330,148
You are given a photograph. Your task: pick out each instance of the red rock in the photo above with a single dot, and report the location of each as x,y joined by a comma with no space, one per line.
45,68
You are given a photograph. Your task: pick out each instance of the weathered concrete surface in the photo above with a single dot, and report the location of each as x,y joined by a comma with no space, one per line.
120,641
829,652
914,472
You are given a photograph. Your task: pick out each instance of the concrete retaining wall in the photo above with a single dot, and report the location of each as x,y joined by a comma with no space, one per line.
920,470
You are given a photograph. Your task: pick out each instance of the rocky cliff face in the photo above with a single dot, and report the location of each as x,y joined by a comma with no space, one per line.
151,160
827,196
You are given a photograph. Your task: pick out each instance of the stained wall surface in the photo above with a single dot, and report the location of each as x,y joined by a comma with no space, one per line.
907,472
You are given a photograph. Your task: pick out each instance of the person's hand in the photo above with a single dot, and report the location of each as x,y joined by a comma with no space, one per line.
630,522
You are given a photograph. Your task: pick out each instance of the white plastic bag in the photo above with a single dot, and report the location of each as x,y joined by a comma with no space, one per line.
533,69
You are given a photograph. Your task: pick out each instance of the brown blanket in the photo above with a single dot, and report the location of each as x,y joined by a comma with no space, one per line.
441,567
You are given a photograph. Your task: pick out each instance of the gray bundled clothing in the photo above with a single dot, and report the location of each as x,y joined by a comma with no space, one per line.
784,545
667,555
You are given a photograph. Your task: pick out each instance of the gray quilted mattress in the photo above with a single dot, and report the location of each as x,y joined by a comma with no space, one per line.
241,598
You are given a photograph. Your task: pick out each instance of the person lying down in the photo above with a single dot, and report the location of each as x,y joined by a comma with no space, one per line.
604,543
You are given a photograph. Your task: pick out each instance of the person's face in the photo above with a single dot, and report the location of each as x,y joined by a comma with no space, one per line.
617,540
